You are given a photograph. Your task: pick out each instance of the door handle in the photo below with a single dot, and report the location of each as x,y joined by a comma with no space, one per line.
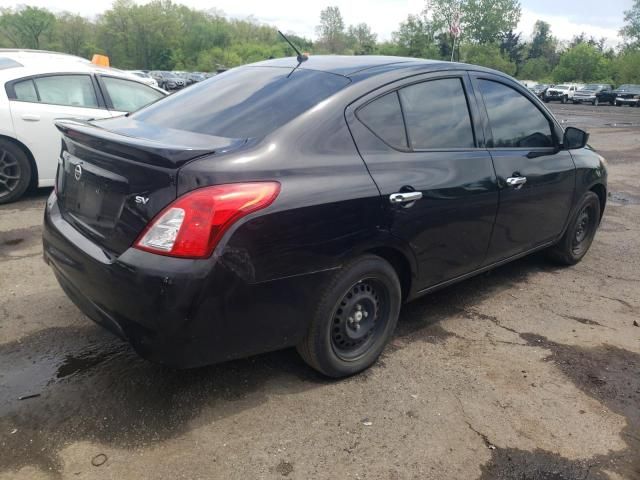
516,182
404,197
30,117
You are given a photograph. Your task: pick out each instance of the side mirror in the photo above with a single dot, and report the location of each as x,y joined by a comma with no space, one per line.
574,138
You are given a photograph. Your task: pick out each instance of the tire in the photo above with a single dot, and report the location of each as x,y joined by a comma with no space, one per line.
15,172
615,102
564,100
355,318
575,242
545,100
596,102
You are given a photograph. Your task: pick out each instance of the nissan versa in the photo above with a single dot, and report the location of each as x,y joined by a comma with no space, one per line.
291,203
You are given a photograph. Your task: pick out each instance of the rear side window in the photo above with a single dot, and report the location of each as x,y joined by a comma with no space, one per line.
437,115
70,90
383,117
128,96
25,91
245,102
515,121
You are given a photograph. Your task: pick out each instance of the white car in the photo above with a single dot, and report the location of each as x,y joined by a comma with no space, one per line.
37,88
144,77
562,93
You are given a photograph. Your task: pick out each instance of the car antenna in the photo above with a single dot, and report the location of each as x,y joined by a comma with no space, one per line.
301,57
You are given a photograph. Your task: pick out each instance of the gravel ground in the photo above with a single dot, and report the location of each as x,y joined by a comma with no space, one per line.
528,372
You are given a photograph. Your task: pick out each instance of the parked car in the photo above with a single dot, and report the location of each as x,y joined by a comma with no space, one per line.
595,94
39,87
562,93
539,89
280,204
196,77
144,77
168,80
627,95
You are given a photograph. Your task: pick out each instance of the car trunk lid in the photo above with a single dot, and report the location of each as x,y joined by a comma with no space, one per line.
114,176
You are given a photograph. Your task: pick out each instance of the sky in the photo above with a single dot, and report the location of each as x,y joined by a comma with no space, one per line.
567,17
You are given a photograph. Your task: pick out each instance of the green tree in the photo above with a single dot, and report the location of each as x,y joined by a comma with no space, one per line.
415,37
535,69
27,27
583,63
512,48
331,32
74,34
631,29
486,21
361,39
543,44
487,56
626,67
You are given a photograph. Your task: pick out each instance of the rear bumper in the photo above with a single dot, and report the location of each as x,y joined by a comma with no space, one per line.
178,312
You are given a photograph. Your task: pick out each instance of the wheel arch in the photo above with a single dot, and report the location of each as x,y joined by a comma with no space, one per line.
33,182
600,190
400,263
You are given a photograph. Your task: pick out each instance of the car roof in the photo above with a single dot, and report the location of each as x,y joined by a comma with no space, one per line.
24,63
347,65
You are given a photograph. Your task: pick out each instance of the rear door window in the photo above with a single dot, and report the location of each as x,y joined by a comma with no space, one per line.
437,115
515,121
69,90
244,102
25,91
383,117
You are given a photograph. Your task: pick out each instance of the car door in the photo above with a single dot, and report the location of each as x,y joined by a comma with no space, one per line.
421,144
536,178
124,96
36,102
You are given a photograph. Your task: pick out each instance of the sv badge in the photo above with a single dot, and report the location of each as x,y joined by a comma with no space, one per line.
141,200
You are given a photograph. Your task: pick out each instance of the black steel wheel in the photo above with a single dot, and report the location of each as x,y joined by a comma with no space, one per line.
580,232
15,172
355,318
359,318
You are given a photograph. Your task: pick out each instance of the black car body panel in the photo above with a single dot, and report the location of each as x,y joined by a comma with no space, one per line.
255,292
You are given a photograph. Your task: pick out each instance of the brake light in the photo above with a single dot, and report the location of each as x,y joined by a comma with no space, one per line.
193,224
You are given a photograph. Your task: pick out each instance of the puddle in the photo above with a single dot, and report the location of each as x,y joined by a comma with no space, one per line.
92,387
623,198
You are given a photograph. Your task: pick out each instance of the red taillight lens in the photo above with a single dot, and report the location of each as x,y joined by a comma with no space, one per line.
193,224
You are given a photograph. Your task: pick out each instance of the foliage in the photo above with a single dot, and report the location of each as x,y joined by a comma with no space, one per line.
631,29
164,35
487,55
582,63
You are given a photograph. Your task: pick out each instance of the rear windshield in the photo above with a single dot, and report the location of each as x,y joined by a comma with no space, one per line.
245,102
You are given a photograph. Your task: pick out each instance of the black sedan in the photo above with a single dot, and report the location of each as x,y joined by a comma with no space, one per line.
627,95
283,204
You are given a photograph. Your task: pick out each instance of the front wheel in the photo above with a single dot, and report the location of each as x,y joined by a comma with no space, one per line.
564,100
355,318
596,102
580,233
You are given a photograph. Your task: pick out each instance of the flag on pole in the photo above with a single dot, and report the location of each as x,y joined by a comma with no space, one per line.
455,30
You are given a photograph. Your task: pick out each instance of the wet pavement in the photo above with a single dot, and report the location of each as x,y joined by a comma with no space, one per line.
530,371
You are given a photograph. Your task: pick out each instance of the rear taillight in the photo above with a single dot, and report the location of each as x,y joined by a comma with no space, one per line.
192,225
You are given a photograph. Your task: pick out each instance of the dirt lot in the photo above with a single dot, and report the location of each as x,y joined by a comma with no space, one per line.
528,372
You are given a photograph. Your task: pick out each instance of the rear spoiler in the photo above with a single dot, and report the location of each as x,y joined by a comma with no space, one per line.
139,142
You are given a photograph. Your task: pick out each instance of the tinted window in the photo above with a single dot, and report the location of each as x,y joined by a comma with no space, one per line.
71,90
25,91
244,102
437,115
384,118
128,96
515,121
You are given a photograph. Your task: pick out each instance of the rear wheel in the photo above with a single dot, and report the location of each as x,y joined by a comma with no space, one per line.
563,100
15,172
355,318
580,233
